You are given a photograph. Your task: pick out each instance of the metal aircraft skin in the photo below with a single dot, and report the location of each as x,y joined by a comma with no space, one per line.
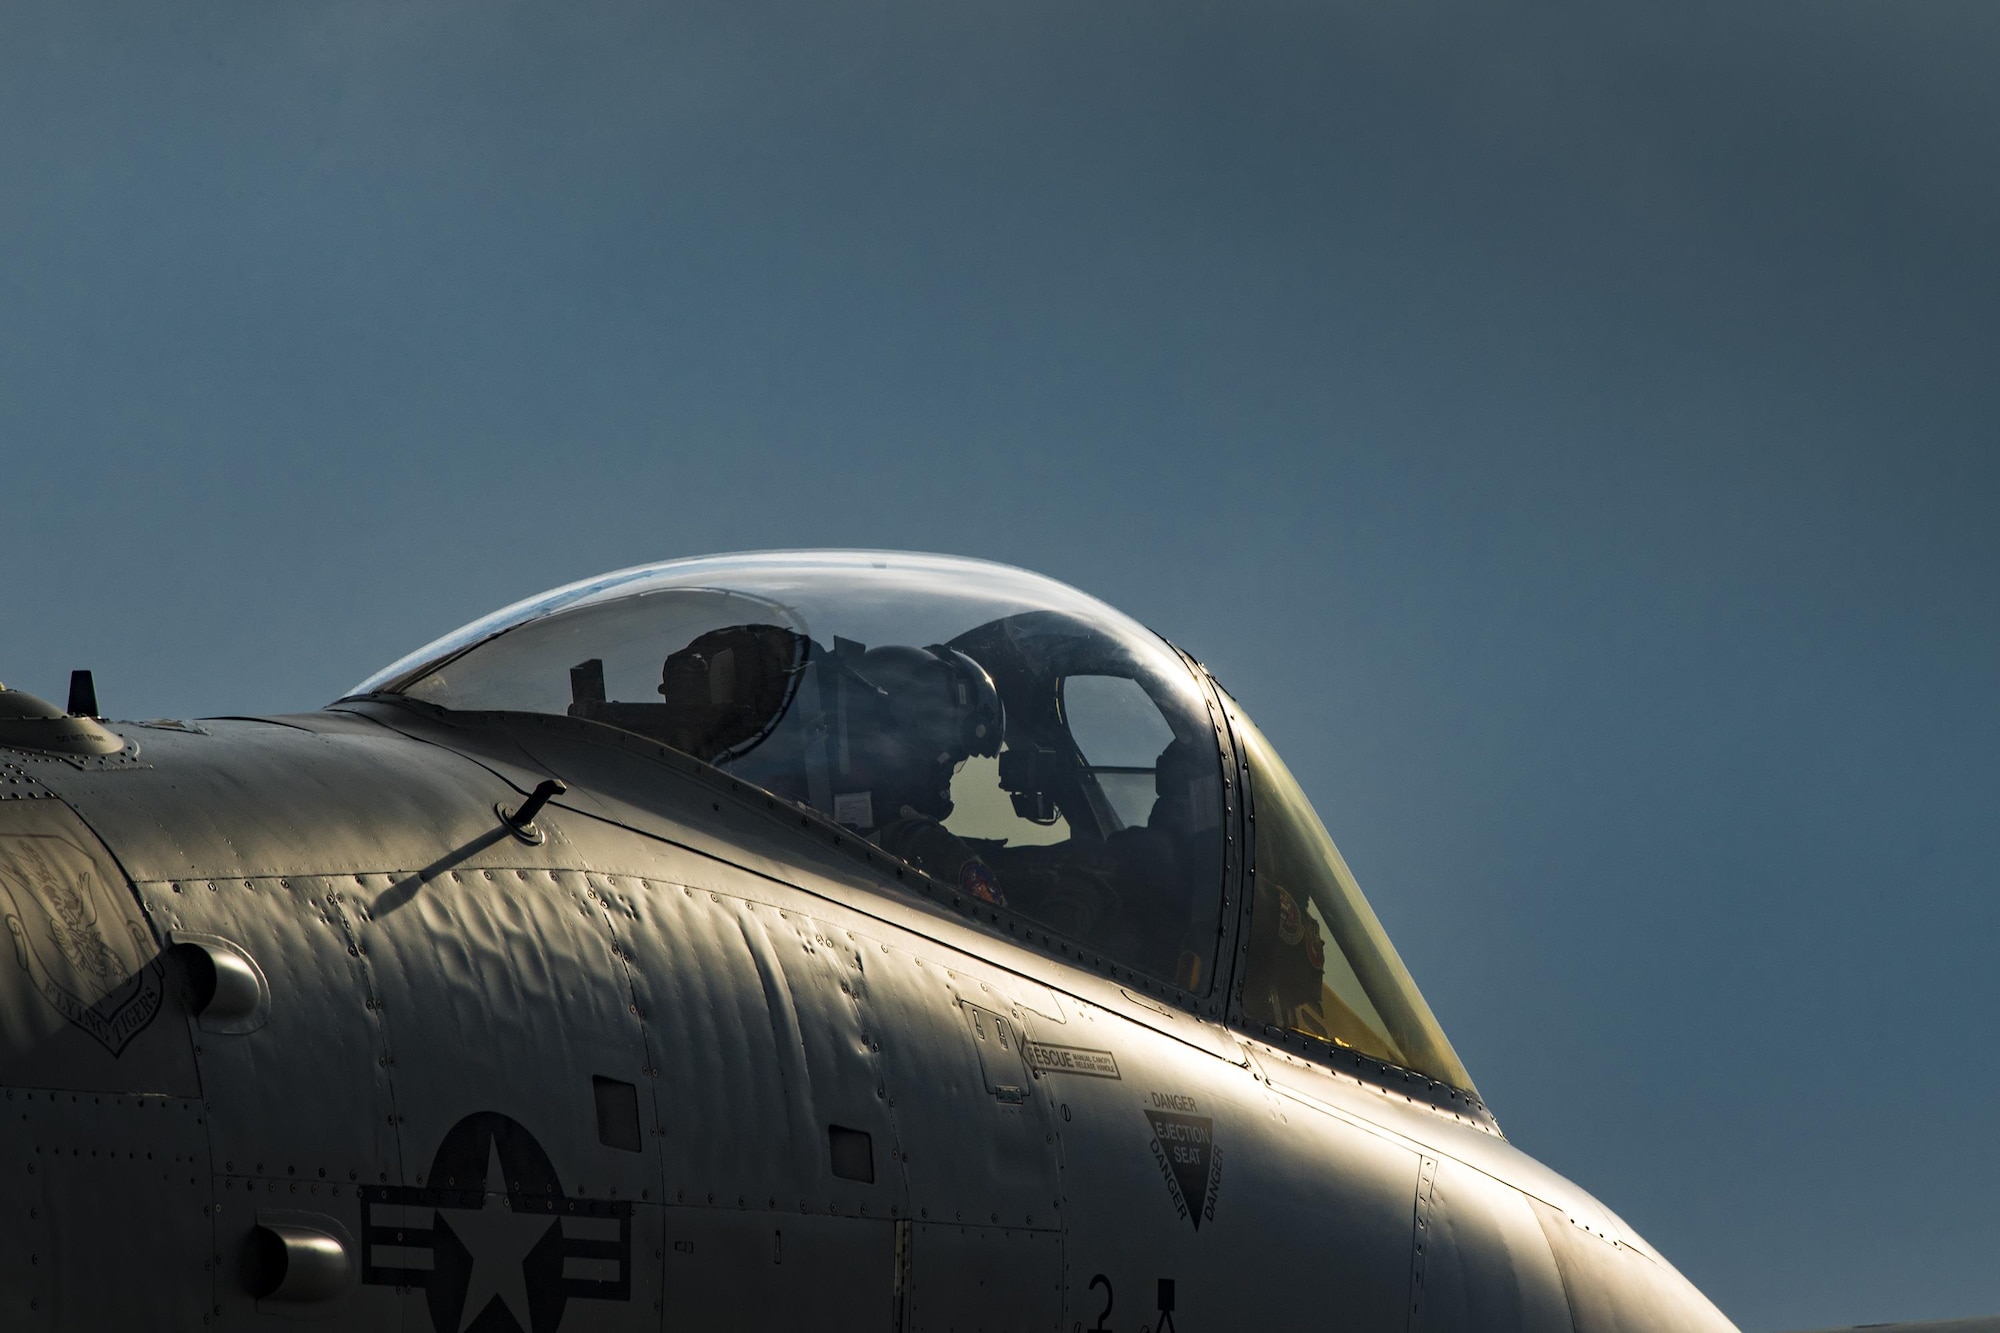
941,951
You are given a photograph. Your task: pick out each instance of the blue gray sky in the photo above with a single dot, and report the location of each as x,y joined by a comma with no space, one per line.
1570,430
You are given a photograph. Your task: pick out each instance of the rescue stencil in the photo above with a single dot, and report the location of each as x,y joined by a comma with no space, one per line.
1044,1058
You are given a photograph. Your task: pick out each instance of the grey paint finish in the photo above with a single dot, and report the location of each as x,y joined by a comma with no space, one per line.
500,989
261,798
971,1154
108,1212
443,1000
728,1269
998,1279
1484,1263
307,1094
1613,1288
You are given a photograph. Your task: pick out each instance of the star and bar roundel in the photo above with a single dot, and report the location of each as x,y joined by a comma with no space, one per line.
493,1242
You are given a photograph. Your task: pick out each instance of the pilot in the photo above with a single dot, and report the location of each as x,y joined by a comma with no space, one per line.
1137,893
931,709
1162,863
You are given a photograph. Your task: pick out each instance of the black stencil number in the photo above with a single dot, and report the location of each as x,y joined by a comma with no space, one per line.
1100,1326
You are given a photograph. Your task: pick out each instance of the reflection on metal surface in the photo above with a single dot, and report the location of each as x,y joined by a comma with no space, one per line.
295,1261
1007,735
227,991
580,979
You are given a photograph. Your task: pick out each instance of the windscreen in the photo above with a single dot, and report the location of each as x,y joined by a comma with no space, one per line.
999,731
1319,963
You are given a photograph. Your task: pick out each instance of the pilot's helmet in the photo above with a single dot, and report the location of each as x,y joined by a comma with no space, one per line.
1178,776
935,707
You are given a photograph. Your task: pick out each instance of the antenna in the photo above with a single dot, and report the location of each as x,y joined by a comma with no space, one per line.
82,695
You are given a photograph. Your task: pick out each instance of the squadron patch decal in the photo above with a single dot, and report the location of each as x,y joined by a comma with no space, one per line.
493,1242
976,878
1184,1149
1291,922
103,976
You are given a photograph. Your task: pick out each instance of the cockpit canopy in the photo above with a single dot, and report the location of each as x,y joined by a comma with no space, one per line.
1000,731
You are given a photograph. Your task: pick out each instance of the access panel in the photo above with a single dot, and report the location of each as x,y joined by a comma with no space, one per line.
1482,1264
780,1148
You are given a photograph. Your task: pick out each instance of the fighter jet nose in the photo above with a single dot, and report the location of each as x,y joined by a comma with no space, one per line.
29,722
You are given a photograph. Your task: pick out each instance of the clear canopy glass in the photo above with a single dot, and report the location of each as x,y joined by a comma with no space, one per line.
998,730
1318,962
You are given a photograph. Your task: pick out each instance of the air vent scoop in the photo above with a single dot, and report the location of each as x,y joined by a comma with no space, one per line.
28,722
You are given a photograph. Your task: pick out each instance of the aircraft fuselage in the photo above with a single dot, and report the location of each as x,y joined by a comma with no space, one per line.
297,1024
